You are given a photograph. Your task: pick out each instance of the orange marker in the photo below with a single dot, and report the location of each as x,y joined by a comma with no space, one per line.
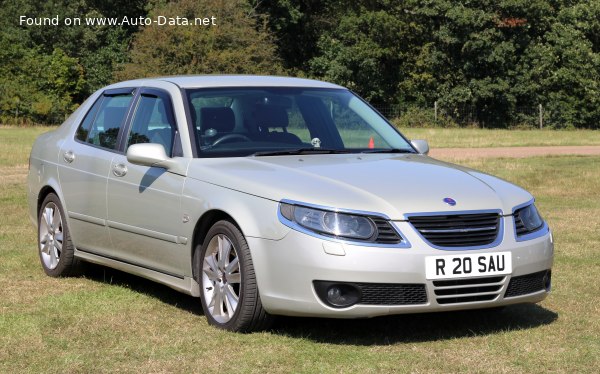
371,143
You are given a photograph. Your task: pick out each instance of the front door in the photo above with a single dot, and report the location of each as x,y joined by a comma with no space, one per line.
144,203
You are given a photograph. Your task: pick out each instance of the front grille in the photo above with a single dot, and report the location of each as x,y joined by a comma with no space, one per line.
385,232
462,291
392,294
526,284
455,291
458,230
466,282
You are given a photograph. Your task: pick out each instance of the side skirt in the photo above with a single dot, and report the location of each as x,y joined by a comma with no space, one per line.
186,285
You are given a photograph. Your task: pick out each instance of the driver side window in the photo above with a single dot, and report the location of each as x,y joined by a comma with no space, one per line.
153,122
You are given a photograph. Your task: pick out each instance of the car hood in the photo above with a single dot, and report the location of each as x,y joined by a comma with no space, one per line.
395,185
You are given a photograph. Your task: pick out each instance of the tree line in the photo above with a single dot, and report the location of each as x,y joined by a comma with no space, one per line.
493,57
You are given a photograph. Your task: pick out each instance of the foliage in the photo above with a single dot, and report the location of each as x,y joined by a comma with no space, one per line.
494,57
40,88
363,52
416,116
47,70
497,60
298,25
240,44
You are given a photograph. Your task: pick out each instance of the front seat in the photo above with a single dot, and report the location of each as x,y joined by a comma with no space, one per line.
219,119
268,117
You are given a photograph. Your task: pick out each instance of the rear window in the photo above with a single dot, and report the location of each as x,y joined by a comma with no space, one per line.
103,122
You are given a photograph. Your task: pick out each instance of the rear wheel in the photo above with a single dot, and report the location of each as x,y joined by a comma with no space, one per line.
54,241
226,275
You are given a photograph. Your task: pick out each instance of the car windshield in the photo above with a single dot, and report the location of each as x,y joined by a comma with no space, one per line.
270,121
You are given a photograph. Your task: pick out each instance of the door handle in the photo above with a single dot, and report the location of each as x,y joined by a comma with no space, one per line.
119,170
69,156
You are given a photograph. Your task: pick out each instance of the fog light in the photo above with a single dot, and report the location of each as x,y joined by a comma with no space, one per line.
334,294
338,295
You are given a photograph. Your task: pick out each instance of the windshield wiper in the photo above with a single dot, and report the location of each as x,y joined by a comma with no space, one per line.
388,150
301,151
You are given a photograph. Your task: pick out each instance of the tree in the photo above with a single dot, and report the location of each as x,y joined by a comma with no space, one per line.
46,70
491,58
473,56
98,48
41,88
298,25
566,73
363,52
239,44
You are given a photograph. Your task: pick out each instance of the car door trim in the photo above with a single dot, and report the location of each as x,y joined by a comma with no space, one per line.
148,233
86,218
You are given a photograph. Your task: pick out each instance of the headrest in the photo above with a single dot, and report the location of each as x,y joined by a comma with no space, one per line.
271,116
221,119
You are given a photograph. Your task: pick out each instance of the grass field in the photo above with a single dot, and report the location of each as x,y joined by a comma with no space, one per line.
478,138
108,321
15,142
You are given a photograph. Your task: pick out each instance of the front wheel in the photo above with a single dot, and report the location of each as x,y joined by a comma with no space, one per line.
229,294
54,240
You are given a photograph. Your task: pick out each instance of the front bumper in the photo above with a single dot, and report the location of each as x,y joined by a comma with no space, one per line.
286,268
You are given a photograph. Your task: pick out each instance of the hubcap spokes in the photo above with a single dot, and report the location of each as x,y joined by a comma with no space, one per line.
221,278
51,236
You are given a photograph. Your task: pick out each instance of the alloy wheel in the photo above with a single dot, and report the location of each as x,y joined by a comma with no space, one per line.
51,235
221,278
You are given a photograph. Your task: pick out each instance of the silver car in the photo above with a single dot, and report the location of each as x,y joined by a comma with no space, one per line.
269,196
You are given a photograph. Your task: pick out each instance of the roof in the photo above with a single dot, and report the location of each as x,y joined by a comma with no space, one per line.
205,81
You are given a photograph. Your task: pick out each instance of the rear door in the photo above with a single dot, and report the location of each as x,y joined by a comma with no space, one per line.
84,165
144,203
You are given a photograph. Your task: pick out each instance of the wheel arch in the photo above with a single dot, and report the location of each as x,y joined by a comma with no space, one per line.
203,225
48,186
204,204
44,191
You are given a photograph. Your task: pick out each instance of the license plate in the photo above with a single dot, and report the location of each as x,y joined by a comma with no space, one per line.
466,266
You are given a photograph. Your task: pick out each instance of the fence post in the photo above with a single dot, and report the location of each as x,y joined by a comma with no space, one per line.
435,108
541,113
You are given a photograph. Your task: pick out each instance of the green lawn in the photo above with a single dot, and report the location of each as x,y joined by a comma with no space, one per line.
477,138
108,321
473,138
15,144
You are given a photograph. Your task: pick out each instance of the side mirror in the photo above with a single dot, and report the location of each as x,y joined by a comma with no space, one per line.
148,154
421,146
154,155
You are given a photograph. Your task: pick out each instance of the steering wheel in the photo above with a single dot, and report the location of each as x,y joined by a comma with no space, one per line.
229,137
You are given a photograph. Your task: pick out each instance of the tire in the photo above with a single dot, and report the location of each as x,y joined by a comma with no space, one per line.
55,248
229,293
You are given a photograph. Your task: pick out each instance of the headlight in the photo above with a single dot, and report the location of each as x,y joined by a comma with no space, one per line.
336,224
528,220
